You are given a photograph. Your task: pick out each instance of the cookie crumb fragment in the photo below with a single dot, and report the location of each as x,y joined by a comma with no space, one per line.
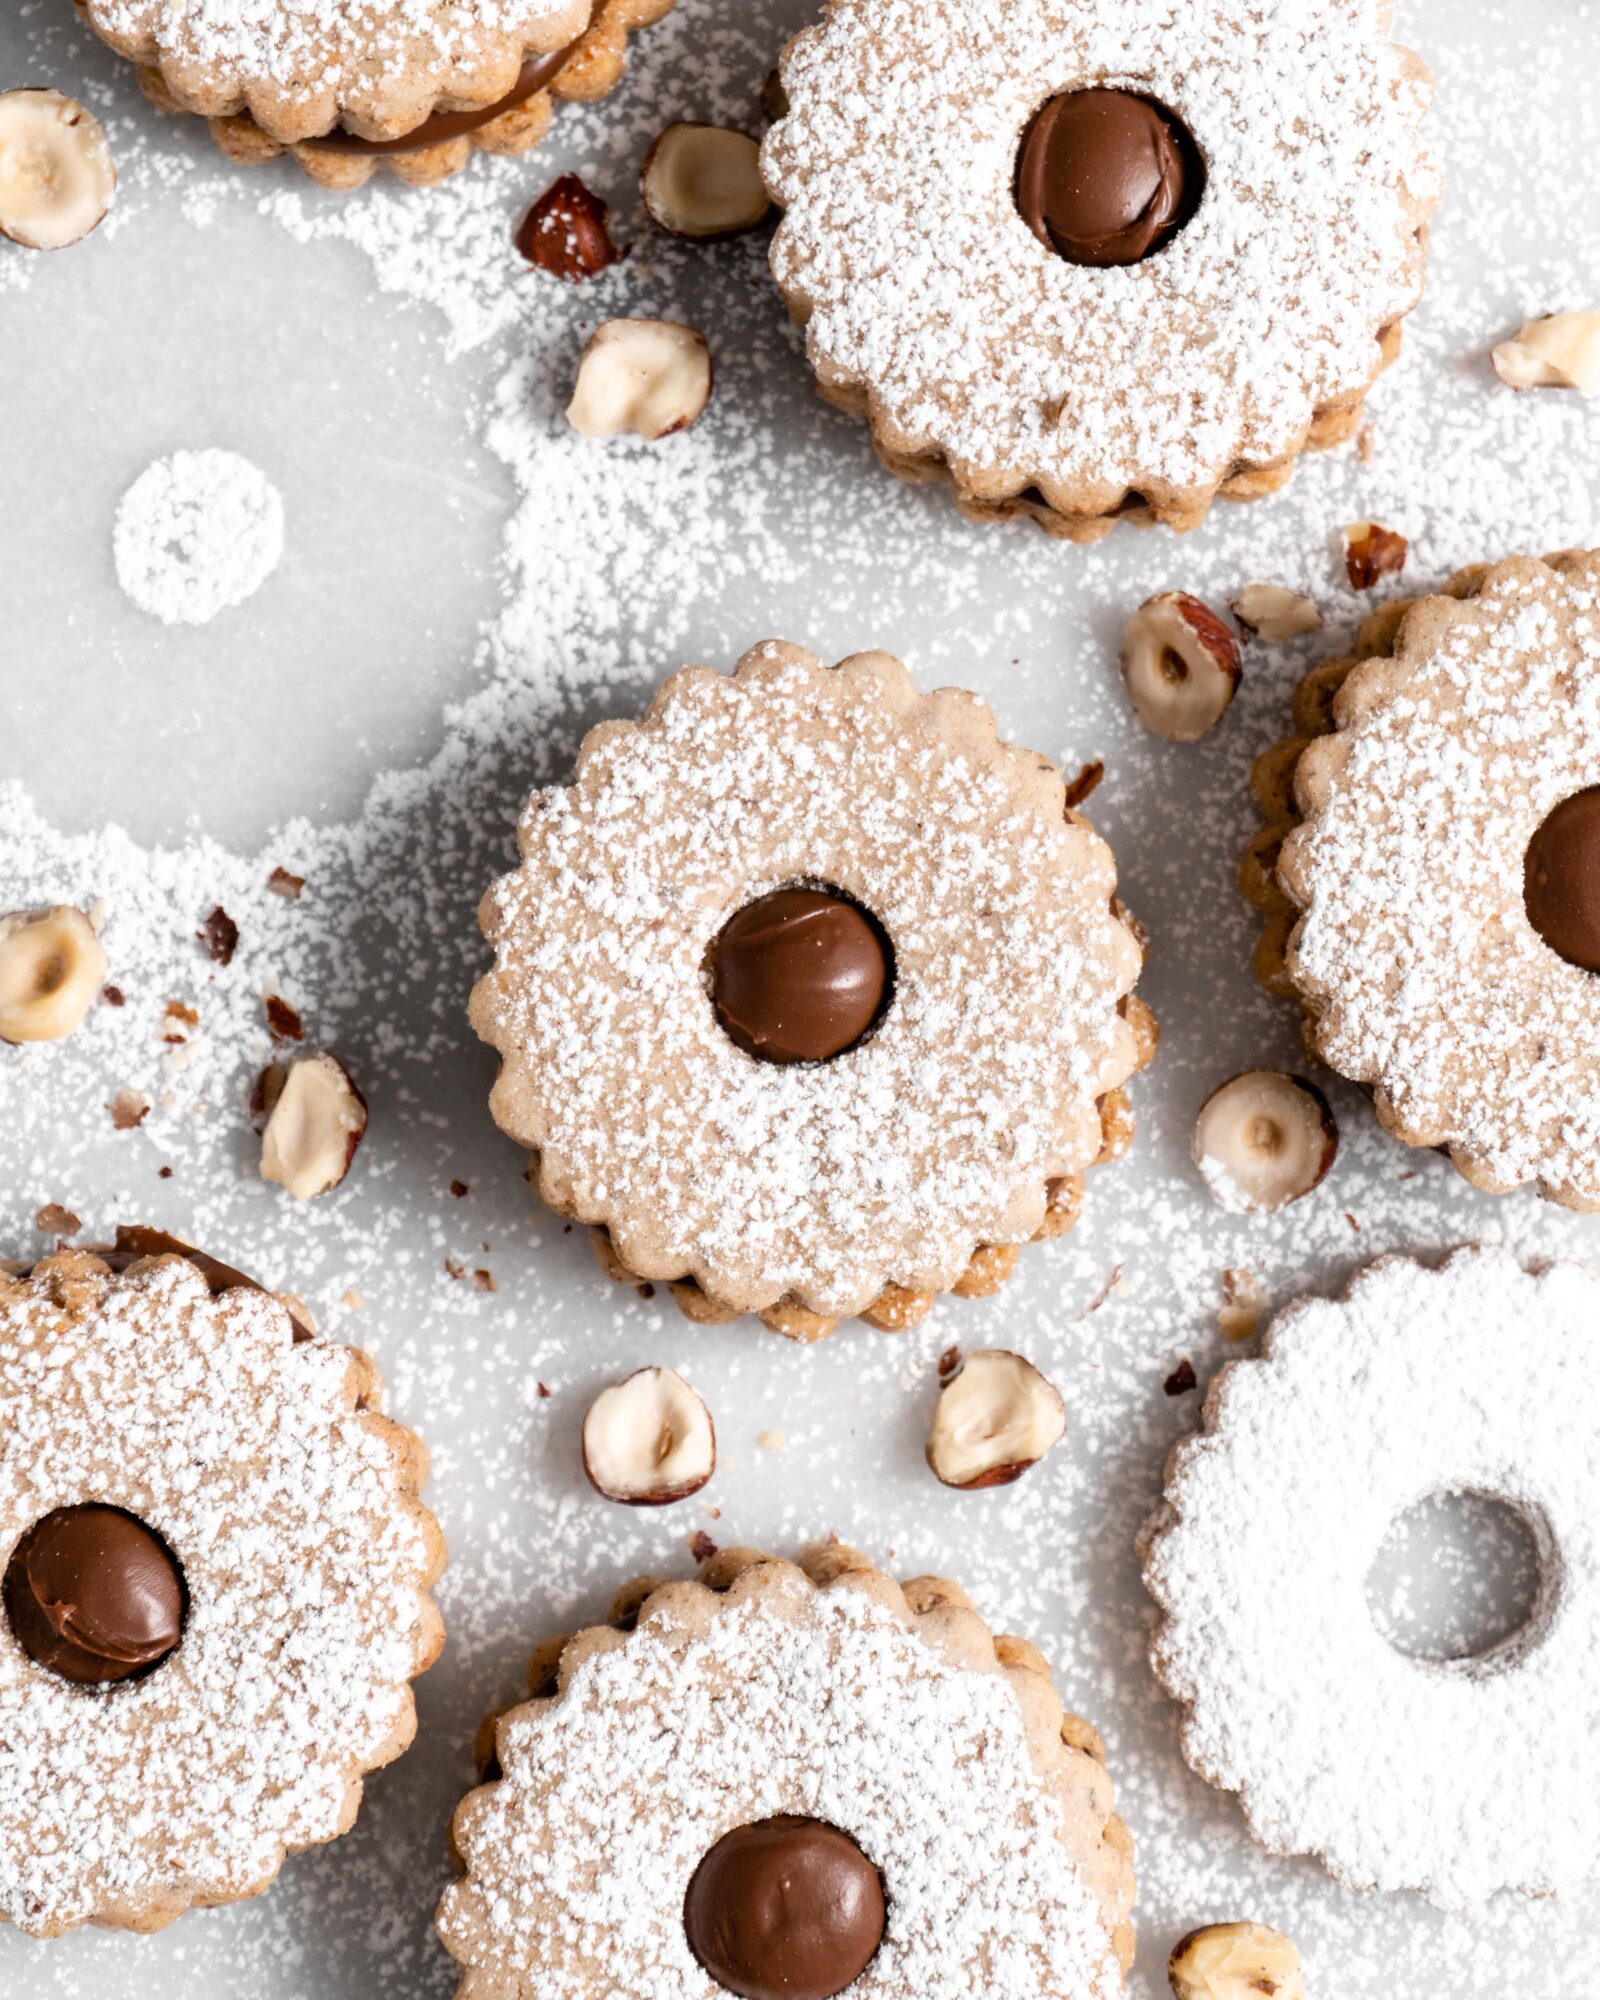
1244,1300
1239,1961
128,1110
54,1220
57,178
281,883
1561,351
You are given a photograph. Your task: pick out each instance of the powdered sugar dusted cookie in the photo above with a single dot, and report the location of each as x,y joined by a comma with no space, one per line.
1456,1779
348,86
216,1576
811,995
1431,872
785,1781
1084,258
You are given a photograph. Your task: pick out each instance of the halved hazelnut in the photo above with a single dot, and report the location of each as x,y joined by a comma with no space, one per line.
1274,615
1181,666
567,232
704,181
1264,1140
1561,352
1371,551
56,174
649,1441
316,1121
1240,1961
995,1419
648,376
51,967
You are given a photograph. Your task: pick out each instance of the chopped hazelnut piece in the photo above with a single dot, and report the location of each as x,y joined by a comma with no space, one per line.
704,181
648,376
51,968
1181,666
567,232
997,1416
316,1121
1264,1140
649,1441
56,175
1275,615
1236,1962
1371,552
1561,352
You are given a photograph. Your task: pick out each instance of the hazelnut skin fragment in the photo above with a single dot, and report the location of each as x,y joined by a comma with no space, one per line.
567,233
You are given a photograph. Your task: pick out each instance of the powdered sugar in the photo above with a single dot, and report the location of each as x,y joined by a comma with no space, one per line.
1457,1780
197,533
580,1857
304,1565
925,290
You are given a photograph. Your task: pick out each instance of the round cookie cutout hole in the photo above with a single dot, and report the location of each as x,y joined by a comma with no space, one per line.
785,1909
1561,880
1460,1581
95,1595
802,975
1108,177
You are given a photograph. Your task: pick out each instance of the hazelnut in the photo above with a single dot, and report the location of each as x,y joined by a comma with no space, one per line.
649,1441
1264,1140
996,1417
1371,552
704,181
1561,352
648,376
567,232
316,1120
51,967
56,175
1181,666
1274,615
1236,1962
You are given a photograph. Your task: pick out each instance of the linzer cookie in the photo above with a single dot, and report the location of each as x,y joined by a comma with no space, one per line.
348,86
215,1586
1089,259
812,997
1430,872
784,1782
1453,1776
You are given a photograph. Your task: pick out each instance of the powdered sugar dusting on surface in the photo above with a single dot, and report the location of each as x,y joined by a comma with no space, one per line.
837,1714
1458,1781
896,168
1426,975
768,517
302,1561
197,533
896,1162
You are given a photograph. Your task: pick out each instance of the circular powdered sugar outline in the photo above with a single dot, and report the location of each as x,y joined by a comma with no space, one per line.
925,293
892,1164
1455,1780
1414,955
307,1558
943,1768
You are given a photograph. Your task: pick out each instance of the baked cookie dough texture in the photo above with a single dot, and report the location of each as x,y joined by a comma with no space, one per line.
958,1130
261,1460
1456,1779
1032,385
824,1691
1392,866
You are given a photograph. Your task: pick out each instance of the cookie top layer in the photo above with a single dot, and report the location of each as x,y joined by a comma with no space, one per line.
306,1559
893,1162
379,67
1415,955
835,1704
903,248
1455,1779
